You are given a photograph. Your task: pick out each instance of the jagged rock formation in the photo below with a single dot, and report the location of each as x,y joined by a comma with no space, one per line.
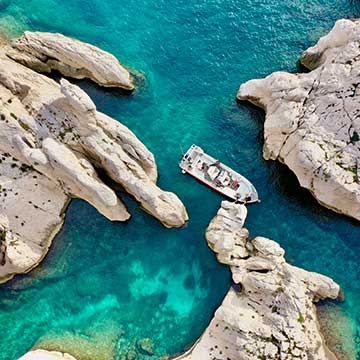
274,316
51,140
46,355
44,52
312,120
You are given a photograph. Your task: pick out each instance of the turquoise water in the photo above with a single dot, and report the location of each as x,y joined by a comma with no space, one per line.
104,285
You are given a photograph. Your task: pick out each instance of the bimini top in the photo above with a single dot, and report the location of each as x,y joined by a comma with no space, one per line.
217,176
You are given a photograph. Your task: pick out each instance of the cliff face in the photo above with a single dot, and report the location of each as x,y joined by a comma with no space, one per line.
51,140
271,315
312,120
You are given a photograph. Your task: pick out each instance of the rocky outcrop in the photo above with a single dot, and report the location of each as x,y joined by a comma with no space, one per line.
34,208
52,140
271,314
46,355
45,52
145,346
312,120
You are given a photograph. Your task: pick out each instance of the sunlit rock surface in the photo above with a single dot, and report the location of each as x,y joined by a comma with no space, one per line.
43,52
312,120
52,141
46,355
271,314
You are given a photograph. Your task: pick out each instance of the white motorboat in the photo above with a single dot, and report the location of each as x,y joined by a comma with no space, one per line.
218,176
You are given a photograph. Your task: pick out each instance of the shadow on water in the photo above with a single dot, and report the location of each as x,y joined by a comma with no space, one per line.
257,114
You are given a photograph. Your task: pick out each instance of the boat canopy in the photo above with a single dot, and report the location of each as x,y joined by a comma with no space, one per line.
213,172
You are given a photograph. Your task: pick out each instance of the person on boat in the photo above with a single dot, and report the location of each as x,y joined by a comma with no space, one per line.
218,183
235,184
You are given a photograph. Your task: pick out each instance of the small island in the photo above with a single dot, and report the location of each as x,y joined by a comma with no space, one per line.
312,119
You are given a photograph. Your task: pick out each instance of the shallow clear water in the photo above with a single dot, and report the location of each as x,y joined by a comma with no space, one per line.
104,285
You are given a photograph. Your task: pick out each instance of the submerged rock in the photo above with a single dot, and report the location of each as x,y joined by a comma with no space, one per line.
46,355
312,120
52,141
274,316
44,52
145,346
131,355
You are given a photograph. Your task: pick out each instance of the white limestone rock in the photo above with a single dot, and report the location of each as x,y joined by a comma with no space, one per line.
46,355
226,235
44,52
52,139
345,33
274,316
312,120
31,212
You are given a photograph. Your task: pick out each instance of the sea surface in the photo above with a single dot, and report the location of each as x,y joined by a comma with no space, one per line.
105,285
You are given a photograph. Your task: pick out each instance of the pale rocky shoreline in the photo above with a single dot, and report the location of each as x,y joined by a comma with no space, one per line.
273,316
312,120
53,138
52,141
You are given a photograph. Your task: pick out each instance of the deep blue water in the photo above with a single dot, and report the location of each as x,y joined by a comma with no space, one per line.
105,285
